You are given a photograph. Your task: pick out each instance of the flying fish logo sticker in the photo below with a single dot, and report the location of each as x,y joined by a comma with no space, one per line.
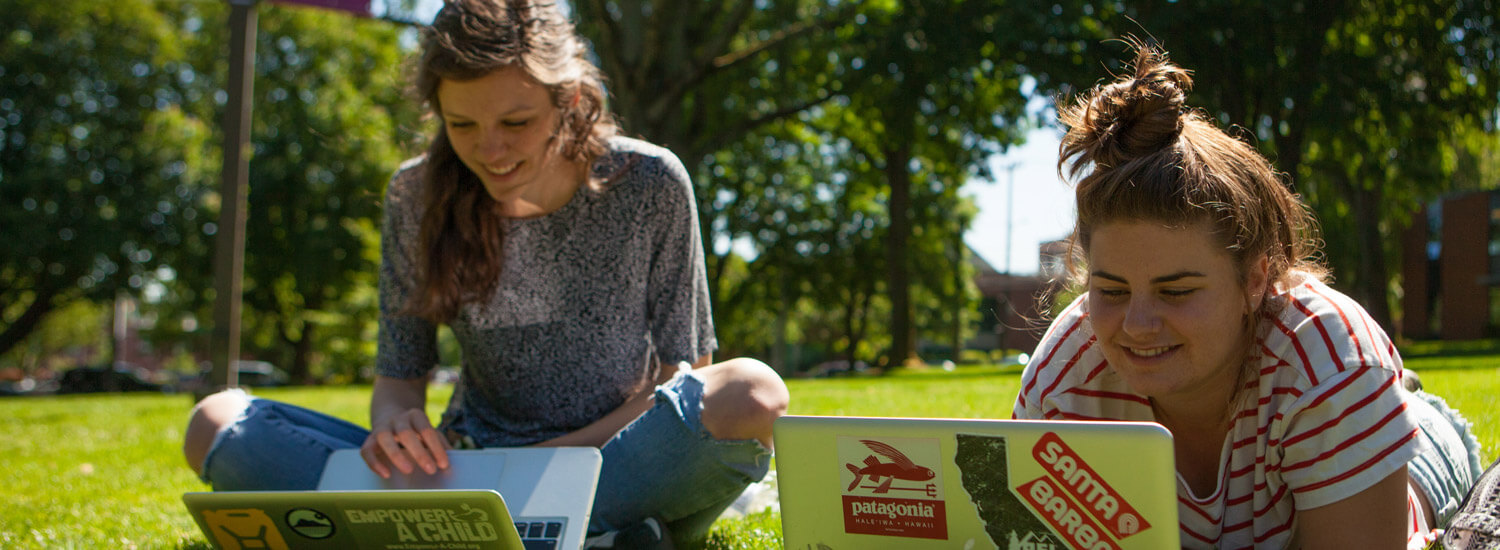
893,487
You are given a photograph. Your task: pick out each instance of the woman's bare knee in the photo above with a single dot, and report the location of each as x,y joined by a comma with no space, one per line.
209,416
742,399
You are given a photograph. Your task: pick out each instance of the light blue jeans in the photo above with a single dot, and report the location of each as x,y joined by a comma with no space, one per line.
664,464
1449,463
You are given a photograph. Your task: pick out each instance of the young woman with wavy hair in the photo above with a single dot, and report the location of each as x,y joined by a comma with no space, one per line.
568,264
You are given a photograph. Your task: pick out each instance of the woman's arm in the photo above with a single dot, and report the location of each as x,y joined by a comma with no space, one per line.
1373,518
400,433
600,431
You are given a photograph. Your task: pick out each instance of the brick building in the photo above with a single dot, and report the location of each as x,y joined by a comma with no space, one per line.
1450,269
1013,307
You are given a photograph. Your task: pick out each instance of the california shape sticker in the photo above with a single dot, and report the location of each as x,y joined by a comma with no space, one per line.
892,486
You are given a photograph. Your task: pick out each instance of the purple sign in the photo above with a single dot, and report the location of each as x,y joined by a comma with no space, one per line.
356,7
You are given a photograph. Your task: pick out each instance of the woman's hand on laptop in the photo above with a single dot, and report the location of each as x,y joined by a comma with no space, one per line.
405,441
400,433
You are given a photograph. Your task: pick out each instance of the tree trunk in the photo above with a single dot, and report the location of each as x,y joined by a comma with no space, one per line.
856,322
960,253
851,309
783,314
299,371
301,355
28,321
898,276
1370,280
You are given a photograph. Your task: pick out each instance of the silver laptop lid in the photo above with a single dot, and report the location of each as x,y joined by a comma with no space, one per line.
541,485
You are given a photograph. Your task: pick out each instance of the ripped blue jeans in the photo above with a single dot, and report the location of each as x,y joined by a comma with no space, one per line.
664,464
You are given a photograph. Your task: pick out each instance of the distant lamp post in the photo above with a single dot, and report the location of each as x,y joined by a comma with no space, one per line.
229,253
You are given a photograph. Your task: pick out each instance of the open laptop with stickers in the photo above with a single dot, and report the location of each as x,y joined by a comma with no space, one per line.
853,482
488,499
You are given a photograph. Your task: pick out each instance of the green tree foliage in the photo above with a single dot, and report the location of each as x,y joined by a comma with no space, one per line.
71,335
330,124
721,83
99,163
1476,160
812,211
109,154
831,139
1362,102
933,106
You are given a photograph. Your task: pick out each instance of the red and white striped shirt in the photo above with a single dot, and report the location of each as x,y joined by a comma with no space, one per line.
1323,421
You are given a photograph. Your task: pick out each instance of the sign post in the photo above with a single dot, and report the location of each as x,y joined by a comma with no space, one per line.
234,184
229,256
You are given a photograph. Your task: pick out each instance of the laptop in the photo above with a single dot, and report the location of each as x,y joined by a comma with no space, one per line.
488,499
857,482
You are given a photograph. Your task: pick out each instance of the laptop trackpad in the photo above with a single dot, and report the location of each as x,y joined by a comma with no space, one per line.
347,471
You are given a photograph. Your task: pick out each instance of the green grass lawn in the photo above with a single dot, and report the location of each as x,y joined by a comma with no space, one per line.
105,471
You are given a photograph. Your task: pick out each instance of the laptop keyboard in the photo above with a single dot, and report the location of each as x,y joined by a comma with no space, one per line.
540,535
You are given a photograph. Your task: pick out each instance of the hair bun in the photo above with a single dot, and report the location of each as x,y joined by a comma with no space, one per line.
1133,117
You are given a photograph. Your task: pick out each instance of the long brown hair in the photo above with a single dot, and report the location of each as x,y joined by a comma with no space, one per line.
1144,155
461,240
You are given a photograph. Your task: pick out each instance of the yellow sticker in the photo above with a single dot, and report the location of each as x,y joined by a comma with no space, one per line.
244,529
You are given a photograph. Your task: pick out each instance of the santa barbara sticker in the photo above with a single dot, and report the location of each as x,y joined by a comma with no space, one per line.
1066,517
893,487
1069,506
1097,498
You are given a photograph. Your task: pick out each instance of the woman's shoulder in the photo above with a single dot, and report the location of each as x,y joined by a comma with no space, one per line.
1322,332
1070,325
634,162
1069,337
1306,299
406,183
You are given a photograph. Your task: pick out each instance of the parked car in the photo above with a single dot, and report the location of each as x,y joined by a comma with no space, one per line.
27,386
260,374
837,367
102,378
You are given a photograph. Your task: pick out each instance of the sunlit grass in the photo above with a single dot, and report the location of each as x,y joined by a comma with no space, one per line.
106,471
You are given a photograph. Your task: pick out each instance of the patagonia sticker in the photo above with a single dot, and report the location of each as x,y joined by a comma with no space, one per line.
893,487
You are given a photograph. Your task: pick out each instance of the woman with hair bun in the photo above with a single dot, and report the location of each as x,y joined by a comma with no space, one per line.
568,263
1204,309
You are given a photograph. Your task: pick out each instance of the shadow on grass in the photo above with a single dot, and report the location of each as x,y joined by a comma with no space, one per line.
974,371
1454,364
1439,348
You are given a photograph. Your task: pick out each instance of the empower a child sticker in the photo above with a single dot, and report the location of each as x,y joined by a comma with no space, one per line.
893,487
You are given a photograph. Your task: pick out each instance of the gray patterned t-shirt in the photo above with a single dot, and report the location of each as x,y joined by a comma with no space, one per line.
591,299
